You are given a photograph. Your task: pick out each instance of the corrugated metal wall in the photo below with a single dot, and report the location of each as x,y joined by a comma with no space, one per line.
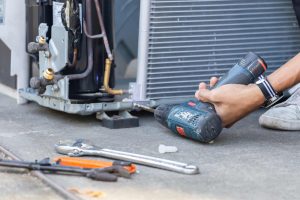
192,40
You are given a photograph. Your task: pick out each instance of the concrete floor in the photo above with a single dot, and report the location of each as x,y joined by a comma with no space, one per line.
246,162
18,184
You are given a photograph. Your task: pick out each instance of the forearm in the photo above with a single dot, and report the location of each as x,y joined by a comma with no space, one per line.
287,75
283,78
233,101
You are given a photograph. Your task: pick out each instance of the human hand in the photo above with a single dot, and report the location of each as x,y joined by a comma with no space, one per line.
233,101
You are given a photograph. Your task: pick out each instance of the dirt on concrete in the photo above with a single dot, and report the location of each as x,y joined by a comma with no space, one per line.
246,162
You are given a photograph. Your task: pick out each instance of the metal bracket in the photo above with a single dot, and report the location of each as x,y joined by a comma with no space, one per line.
57,103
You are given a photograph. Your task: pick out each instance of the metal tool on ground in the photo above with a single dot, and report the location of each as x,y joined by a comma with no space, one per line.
199,121
84,148
167,149
108,174
84,163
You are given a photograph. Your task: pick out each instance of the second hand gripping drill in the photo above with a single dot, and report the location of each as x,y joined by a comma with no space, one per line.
198,120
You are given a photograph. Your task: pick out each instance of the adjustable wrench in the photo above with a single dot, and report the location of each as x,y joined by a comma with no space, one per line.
83,148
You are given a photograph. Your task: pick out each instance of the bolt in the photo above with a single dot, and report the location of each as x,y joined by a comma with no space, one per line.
48,74
55,88
47,54
42,40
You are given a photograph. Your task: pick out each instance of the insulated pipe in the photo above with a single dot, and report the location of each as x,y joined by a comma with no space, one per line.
88,6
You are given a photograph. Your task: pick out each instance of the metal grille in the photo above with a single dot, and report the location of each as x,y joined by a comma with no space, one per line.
192,40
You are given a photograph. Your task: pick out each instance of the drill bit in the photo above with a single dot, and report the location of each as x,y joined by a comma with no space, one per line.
143,107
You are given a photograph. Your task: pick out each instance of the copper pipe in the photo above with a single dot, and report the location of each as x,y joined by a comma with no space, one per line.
89,46
106,80
101,23
75,55
108,61
88,34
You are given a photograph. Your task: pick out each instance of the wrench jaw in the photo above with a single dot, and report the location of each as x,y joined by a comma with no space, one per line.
76,149
67,148
76,153
84,144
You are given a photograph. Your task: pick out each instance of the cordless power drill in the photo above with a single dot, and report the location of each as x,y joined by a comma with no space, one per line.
198,120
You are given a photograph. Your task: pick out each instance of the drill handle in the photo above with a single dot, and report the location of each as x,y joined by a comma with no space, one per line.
246,71
237,75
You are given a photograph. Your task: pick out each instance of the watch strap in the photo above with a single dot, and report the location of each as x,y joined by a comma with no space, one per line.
266,88
271,96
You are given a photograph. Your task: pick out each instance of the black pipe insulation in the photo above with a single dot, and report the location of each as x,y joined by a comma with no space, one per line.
88,19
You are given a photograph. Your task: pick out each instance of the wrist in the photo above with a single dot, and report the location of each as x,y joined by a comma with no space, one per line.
270,94
257,96
276,84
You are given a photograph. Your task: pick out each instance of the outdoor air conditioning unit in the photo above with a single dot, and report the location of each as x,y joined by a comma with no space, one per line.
181,43
184,42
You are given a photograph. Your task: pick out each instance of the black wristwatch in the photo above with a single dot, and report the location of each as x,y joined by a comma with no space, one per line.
270,94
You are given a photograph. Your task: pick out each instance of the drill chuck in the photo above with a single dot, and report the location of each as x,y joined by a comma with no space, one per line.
198,120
